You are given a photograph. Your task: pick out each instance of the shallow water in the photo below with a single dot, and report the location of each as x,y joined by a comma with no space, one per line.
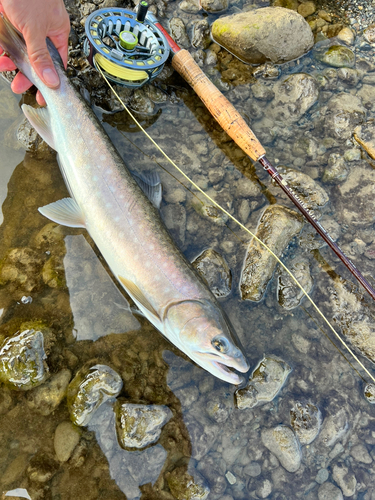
85,319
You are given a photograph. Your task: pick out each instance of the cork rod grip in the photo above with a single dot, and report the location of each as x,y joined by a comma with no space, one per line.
218,105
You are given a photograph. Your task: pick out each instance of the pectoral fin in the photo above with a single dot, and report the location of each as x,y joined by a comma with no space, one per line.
40,120
135,293
151,186
65,212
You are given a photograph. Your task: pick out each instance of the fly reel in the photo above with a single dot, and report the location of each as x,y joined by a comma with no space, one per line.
127,46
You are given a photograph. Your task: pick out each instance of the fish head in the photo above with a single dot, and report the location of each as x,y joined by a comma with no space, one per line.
202,332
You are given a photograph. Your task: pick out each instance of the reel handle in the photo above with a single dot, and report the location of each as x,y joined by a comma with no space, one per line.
218,105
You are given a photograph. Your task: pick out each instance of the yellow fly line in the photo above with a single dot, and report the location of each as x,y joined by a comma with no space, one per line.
241,226
114,69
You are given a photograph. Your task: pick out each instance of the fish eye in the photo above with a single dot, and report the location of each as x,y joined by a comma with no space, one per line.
221,344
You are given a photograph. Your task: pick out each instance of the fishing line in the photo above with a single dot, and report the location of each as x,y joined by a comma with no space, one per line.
239,223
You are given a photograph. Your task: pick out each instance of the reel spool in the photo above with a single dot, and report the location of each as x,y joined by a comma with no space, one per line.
127,46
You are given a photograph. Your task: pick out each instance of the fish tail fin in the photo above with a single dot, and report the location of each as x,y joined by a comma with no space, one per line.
14,45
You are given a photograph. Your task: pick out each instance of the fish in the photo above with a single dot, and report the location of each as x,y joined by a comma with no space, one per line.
106,200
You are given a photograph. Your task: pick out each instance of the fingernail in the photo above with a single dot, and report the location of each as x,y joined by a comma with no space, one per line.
50,77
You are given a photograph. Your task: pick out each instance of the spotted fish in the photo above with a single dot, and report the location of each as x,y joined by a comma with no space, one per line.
126,227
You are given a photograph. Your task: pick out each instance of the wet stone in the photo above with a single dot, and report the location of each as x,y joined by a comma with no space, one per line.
309,239
201,35
370,393
264,489
28,136
283,443
306,421
253,469
42,468
190,6
322,476
22,267
337,170
277,226
178,32
311,193
141,102
139,425
220,406
265,383
328,491
369,34
345,478
185,486
360,453
66,439
22,360
46,398
87,391
338,57
334,428
214,5
344,113
215,271
289,295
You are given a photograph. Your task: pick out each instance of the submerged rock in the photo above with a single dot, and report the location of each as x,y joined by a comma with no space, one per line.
201,35
328,491
311,193
365,136
370,393
264,384
309,239
46,398
289,294
277,226
215,271
306,421
184,486
22,268
267,34
344,113
22,364
139,425
178,32
337,170
87,391
338,57
214,5
66,439
334,428
345,478
283,443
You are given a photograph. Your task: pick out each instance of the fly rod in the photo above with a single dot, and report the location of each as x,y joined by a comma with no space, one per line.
235,126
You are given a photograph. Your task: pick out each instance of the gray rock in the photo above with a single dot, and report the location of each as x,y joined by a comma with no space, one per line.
253,469
262,92
265,383
276,227
337,170
88,390
190,6
359,452
283,443
369,34
345,478
322,476
28,136
22,360
215,271
139,425
348,76
201,35
334,428
178,32
202,436
329,491
344,113
46,398
219,406
306,421
254,39
264,489
311,193
66,439
370,393
309,239
210,470
338,57
293,97
187,484
289,295
141,102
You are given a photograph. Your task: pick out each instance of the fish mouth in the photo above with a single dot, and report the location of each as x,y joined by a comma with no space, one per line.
225,373
223,368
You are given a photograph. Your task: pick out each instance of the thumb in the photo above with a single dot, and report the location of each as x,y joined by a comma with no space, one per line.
41,60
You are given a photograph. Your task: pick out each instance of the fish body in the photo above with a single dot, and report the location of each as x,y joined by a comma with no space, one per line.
126,227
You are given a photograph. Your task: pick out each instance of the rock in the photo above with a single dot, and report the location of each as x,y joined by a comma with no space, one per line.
28,136
322,476
5,400
42,468
141,102
346,36
66,439
184,486
306,421
349,76
264,489
306,9
337,56
262,92
265,383
219,406
253,469
293,97
370,393
289,295
139,425
337,170
203,435
328,491
369,34
352,154
46,398
277,226
282,442
215,271
345,479
213,6
311,193
22,360
178,32
21,267
359,452
88,390
201,35
190,6
334,428
344,113
254,39
365,136
211,470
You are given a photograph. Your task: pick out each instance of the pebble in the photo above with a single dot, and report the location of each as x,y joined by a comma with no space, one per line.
322,476
334,428
264,489
215,271
47,397
306,421
283,443
230,477
345,478
66,438
360,453
329,491
289,294
186,484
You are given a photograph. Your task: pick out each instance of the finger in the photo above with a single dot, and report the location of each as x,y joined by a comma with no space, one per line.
41,60
6,64
61,43
20,84
40,99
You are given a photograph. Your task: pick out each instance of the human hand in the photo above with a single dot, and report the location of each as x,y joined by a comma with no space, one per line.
36,20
